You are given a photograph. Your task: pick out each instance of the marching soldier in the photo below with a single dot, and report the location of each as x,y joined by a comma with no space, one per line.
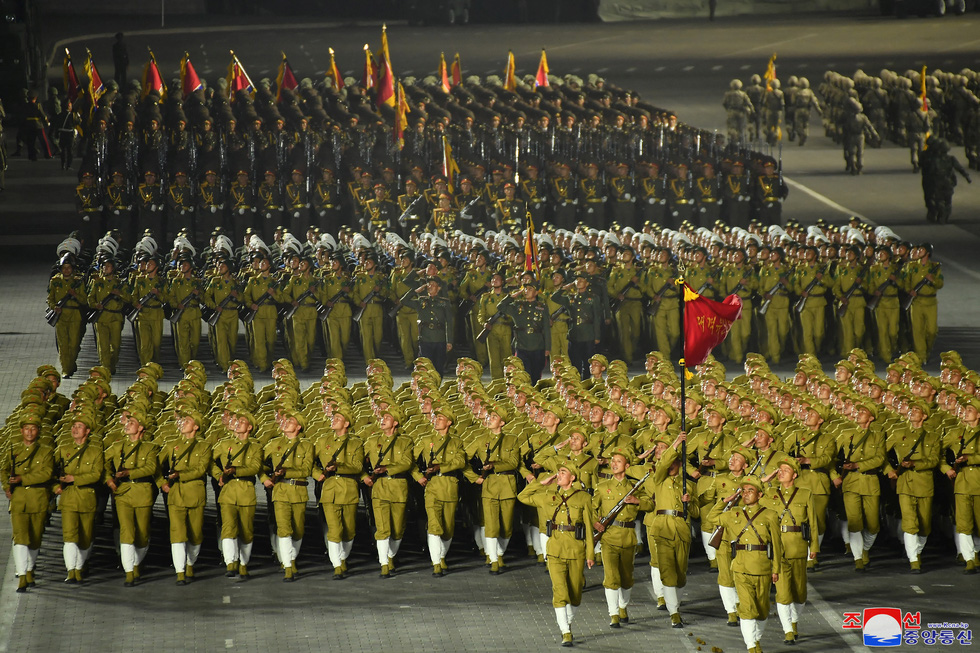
68,299
81,465
297,200
380,213
921,280
259,296
28,469
591,196
149,291
241,203
291,465
370,287
509,212
585,320
769,192
326,200
180,205
435,321
237,461
223,296
623,196
863,451
497,342
626,289
532,328
184,293
850,285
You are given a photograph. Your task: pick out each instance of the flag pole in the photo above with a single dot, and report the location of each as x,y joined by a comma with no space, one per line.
681,283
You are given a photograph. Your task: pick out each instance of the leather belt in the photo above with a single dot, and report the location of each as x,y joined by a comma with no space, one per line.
247,479
145,479
294,481
751,547
568,528
193,480
671,513
791,529
604,475
625,524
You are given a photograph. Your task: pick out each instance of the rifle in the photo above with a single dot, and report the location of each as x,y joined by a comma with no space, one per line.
329,306
423,467
716,537
182,306
139,307
464,213
487,327
616,303
402,222
291,311
846,297
367,300
654,307
247,314
467,304
879,293
610,516
907,302
278,471
769,294
398,302
951,458
561,309
801,303
213,318
51,315
478,465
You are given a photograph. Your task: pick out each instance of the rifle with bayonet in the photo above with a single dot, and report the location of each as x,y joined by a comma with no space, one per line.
655,303
367,300
216,314
621,297
880,292
182,306
248,314
769,294
467,304
716,537
907,302
139,307
846,297
52,315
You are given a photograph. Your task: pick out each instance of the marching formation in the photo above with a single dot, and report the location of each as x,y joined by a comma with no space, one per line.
586,469
820,290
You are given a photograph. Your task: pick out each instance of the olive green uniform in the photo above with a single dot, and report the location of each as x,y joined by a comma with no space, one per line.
69,297
289,493
28,507
78,502
339,493
190,459
243,462
134,497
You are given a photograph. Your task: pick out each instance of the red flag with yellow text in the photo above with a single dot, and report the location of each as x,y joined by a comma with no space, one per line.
443,73
285,78
541,78
706,324
334,72
386,78
457,71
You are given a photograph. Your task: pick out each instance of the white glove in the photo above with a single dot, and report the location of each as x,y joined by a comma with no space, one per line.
651,201
116,212
268,216
190,209
241,211
627,196
86,218
322,213
214,209
296,214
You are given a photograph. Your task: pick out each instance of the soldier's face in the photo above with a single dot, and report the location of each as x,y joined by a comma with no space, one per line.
750,495
785,474
30,433
736,463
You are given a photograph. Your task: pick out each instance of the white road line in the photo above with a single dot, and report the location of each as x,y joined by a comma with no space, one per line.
631,69
226,599
716,68
658,69
8,604
687,68
917,589
229,643
826,200
833,618
769,46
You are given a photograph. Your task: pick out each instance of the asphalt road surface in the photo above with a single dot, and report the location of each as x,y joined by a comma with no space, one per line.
681,65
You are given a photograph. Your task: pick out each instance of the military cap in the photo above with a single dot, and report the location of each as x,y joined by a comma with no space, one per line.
29,417
345,410
194,415
138,414
791,463
396,412
443,408
744,452
750,480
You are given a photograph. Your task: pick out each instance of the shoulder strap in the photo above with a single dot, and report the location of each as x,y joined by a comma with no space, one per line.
564,503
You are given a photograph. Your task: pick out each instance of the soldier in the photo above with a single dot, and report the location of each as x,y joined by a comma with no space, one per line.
563,195
497,342
707,194
919,128
883,283
435,321
618,539
916,453
850,279
291,465
131,468
81,468
299,293
150,204
769,192
223,295
185,464
237,462
412,206
184,293
626,288
509,211
814,447
621,190
534,192
389,463
651,193
569,542
671,510
119,206
149,291
444,217
68,299
326,200
739,278
380,212
335,289
28,469
660,282
811,282
403,280
773,111
855,128
774,310
440,457
804,101
297,200
753,532
680,196
531,326
370,287
963,449
939,180
258,296
592,197
241,203
796,518
862,450
88,205
180,205
738,110
269,203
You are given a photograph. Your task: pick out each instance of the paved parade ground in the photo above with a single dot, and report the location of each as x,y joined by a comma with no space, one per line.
682,65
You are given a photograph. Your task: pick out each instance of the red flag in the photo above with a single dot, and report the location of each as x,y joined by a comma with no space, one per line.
457,70
449,166
923,96
706,324
334,73
370,78
443,73
238,79
510,78
530,249
285,78
72,85
386,78
189,81
541,78
95,87
770,72
152,79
